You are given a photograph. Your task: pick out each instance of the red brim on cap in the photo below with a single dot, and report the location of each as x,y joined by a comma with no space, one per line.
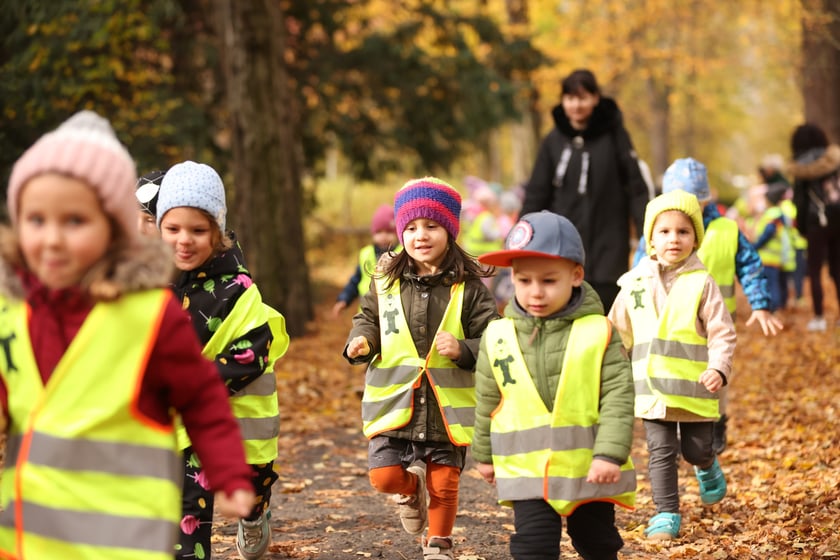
506,257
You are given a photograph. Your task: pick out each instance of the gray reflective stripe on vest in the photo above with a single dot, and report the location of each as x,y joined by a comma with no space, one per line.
464,416
681,388
387,376
259,428
454,378
97,529
373,410
560,488
123,459
727,290
641,387
263,386
671,349
12,450
561,438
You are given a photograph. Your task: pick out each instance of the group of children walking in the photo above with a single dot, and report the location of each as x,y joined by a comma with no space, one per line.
135,400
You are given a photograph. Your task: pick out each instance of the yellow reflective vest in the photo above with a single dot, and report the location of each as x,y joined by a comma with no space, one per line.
393,374
474,241
779,251
717,253
85,476
542,454
255,406
668,355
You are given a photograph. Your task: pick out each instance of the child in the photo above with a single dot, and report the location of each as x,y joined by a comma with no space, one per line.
774,244
555,388
384,239
243,337
674,321
148,187
727,254
97,359
420,330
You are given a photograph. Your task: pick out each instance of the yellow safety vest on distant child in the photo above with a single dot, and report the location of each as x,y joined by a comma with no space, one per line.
717,253
542,454
387,403
85,476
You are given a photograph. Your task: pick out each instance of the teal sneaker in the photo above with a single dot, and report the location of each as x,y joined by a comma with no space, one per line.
663,526
712,483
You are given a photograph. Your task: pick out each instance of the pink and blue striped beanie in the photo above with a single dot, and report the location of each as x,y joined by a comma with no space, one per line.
429,198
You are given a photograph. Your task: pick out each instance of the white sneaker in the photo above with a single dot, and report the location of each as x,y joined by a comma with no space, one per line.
253,537
817,324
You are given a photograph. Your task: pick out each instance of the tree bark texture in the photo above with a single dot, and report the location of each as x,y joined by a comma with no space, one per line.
821,65
267,198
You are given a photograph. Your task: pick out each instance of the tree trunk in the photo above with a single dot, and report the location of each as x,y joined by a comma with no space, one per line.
267,201
821,64
660,111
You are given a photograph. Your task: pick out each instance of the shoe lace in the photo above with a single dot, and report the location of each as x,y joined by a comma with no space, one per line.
252,533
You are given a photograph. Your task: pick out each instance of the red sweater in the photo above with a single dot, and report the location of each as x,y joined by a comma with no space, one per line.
177,377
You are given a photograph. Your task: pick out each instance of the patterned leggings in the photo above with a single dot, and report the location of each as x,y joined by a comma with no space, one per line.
197,505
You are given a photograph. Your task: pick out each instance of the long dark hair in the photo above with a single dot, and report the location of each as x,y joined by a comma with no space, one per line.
807,137
457,262
580,79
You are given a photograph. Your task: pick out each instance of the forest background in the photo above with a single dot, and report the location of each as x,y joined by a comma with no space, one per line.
315,110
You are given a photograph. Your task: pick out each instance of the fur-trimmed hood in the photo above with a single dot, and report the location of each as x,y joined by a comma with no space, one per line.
148,265
816,163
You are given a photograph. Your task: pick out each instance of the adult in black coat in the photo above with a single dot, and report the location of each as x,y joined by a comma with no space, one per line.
587,171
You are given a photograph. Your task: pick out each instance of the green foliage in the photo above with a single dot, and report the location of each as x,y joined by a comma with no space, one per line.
415,95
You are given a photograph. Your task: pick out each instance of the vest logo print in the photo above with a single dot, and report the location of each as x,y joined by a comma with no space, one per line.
637,298
390,315
6,342
503,362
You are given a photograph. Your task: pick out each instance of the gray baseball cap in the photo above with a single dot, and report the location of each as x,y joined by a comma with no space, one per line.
539,234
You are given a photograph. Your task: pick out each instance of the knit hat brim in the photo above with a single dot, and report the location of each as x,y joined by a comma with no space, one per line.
675,200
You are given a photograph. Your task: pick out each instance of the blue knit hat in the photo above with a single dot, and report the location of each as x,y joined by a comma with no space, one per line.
193,185
689,175
429,198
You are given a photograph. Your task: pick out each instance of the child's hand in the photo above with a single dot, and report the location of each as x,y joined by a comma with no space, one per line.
711,380
338,308
487,472
769,323
447,345
359,346
603,472
239,504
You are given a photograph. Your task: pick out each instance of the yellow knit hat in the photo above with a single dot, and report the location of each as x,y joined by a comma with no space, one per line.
674,200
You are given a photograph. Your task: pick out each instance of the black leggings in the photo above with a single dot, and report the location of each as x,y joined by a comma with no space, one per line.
822,246
591,528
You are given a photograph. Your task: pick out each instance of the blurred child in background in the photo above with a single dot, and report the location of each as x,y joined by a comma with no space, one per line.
384,237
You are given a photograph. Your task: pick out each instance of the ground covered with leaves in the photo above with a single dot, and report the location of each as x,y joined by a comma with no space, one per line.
782,462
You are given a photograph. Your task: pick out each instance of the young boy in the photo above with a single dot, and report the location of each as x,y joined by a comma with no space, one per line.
554,413
674,321
384,237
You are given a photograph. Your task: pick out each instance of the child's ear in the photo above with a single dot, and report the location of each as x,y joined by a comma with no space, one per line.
577,275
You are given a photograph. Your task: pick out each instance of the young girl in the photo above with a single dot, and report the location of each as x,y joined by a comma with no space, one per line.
420,330
674,321
242,335
96,357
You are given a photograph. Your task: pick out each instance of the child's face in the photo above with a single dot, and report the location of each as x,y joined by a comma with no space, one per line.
63,229
673,237
146,224
385,238
543,286
190,233
425,242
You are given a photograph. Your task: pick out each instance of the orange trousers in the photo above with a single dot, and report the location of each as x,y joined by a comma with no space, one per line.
442,483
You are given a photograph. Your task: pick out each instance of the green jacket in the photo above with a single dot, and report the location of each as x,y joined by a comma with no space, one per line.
543,345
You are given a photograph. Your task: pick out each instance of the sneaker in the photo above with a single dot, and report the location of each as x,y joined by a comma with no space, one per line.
437,548
712,483
719,437
663,526
817,324
253,537
414,508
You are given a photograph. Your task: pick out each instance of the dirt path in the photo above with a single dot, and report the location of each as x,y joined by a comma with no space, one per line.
783,464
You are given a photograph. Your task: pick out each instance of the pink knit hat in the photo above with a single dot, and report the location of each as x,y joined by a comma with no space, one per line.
383,219
429,198
83,147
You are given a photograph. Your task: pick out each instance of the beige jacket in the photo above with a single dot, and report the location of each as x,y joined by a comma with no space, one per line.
713,321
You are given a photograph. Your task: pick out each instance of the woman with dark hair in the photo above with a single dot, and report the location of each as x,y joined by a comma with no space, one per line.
817,198
587,171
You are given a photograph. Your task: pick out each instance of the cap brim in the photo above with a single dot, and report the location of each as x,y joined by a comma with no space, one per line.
506,257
